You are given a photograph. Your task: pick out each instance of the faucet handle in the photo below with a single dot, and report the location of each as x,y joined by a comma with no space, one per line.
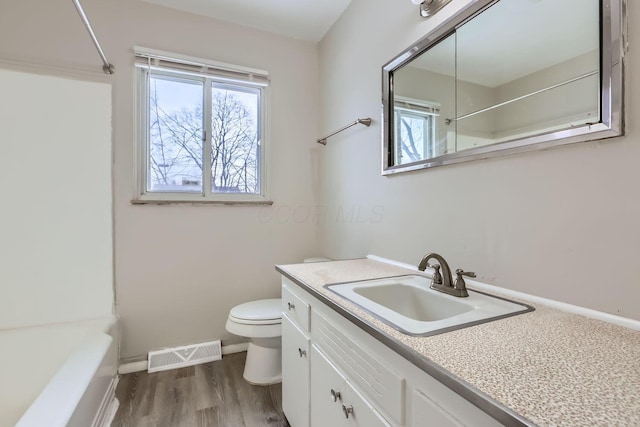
460,284
460,272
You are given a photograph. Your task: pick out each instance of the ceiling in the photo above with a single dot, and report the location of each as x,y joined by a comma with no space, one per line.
301,19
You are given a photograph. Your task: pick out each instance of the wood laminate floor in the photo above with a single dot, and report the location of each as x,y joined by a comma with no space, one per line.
213,394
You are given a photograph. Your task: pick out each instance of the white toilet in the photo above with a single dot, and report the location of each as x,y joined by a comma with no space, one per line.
261,322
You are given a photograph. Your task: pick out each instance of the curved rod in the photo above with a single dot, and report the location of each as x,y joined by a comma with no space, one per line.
107,67
366,122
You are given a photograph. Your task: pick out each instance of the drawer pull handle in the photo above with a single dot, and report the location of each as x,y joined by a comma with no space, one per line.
291,306
347,410
335,395
302,352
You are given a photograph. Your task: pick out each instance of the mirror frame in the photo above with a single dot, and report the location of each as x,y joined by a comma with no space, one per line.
613,45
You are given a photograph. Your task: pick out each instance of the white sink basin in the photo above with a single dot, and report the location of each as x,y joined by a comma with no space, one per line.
410,306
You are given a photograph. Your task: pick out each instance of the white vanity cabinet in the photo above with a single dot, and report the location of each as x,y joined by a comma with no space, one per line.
295,356
336,374
335,402
295,373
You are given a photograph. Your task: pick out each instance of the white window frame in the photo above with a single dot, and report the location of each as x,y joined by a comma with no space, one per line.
418,108
149,62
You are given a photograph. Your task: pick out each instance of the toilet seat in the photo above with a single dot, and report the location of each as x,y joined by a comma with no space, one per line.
262,312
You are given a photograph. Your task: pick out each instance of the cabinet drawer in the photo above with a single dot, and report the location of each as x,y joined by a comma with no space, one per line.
295,307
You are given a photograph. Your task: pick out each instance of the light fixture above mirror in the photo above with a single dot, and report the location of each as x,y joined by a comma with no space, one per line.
430,7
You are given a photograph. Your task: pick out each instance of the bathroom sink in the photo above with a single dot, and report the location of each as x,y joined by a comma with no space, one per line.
410,306
413,302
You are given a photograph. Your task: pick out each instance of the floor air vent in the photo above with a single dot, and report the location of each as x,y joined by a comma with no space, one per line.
179,357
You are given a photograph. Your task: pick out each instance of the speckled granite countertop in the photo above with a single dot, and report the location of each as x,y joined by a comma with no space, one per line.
550,367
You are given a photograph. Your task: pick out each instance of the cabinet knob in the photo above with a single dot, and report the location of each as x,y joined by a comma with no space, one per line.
335,395
291,306
347,410
302,352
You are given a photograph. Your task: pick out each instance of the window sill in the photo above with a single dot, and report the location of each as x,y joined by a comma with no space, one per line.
203,202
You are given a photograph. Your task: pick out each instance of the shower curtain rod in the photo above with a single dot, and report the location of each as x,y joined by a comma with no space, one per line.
502,104
106,67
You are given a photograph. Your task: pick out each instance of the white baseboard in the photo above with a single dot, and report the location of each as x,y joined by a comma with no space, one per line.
128,368
235,348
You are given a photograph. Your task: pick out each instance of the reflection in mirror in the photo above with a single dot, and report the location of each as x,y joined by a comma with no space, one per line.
424,97
505,76
535,71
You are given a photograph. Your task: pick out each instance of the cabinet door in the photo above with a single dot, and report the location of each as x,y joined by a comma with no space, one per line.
427,413
295,374
359,411
327,392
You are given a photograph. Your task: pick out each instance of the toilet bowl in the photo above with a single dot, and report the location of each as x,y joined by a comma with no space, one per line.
261,322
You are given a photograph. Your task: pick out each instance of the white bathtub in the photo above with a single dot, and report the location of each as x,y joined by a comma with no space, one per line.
59,375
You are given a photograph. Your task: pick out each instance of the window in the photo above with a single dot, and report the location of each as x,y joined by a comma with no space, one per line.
415,128
202,130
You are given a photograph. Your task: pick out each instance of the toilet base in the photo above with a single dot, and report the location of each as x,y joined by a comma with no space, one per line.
264,361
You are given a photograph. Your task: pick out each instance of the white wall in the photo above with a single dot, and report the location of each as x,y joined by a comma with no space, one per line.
55,181
180,268
560,223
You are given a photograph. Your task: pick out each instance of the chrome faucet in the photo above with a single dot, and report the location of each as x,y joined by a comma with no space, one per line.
443,282
438,279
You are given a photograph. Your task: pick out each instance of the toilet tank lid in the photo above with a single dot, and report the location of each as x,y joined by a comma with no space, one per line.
265,309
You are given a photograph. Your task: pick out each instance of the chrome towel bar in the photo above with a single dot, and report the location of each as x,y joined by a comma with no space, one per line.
366,122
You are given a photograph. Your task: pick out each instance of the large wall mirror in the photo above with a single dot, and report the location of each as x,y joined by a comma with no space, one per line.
505,76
